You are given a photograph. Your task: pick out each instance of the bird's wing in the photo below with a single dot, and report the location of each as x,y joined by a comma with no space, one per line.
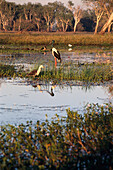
32,72
57,55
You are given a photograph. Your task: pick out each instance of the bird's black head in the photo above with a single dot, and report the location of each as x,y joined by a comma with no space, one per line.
53,41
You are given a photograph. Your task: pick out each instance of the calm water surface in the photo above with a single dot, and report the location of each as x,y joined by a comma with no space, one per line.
21,102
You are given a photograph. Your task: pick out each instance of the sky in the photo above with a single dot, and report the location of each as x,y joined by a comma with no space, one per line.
44,2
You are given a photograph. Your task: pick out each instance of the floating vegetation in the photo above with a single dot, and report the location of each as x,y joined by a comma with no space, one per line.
76,141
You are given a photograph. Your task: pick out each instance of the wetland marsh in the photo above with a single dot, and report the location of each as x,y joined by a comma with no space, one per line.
63,118
30,99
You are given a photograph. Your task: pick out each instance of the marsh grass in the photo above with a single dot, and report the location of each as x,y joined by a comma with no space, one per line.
75,141
35,40
7,70
86,72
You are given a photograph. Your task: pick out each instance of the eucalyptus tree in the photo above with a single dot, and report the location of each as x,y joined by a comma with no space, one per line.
19,18
99,11
63,17
38,15
109,12
48,14
11,16
77,13
7,15
98,7
107,7
4,15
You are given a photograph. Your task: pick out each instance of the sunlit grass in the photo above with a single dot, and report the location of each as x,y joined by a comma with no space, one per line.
45,39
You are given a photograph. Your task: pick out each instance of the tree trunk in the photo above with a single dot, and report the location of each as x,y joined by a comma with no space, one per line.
106,25
96,28
19,28
75,27
14,25
38,26
48,26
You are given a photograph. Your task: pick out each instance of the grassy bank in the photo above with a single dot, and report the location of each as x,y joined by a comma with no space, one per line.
75,141
86,72
34,41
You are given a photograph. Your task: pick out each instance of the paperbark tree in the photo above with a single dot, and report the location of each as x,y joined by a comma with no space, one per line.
77,13
63,17
77,16
105,4
98,12
107,24
109,9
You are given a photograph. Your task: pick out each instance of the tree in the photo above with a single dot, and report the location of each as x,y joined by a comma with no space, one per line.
48,14
109,9
77,13
106,5
107,24
77,16
37,15
98,12
63,17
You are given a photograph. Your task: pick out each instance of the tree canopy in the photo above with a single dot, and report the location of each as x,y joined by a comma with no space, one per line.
55,16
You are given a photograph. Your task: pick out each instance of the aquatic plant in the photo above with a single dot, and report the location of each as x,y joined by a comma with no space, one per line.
76,141
67,71
7,70
86,72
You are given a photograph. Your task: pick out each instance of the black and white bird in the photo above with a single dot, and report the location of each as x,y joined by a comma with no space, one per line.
36,72
55,53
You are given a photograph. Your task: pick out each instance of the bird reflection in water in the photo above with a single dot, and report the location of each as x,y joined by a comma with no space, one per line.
44,50
51,92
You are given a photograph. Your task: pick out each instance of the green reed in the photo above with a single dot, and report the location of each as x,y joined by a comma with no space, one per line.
76,141
86,72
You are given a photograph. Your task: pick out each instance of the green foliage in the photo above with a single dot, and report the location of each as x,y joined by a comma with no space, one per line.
7,71
76,141
86,72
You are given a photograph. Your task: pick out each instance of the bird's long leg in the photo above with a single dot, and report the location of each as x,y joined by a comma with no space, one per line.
55,62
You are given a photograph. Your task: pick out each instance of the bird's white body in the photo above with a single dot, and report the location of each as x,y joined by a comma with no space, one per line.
70,49
69,45
56,54
54,50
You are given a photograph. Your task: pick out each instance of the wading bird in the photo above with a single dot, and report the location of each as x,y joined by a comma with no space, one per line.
36,72
55,54
44,48
70,49
69,45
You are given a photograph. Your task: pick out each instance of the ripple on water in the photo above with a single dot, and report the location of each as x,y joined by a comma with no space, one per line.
20,103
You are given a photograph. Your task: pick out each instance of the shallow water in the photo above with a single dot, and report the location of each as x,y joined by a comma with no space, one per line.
30,59
21,102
